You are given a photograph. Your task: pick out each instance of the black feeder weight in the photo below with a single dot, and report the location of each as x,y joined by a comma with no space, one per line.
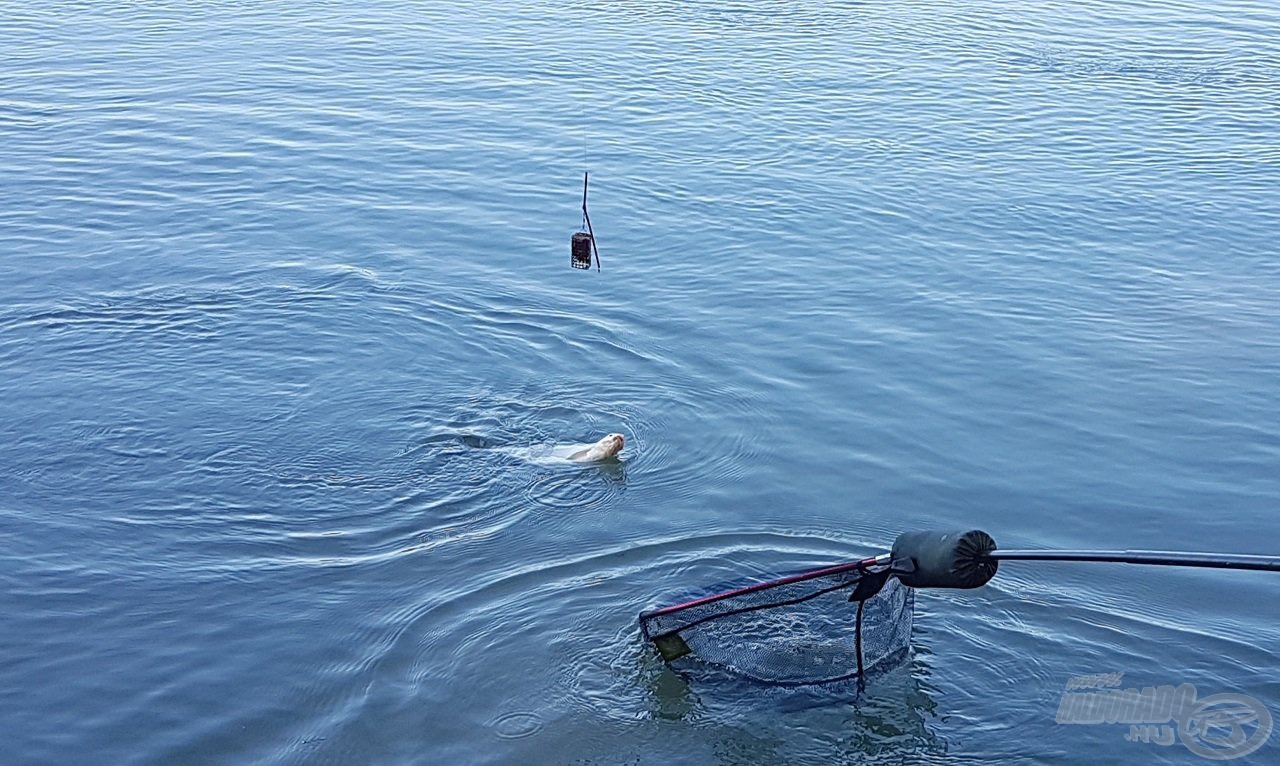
583,243
581,247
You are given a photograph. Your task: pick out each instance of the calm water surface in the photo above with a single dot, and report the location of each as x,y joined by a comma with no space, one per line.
283,285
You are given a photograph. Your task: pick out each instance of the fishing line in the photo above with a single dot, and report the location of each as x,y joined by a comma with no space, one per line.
583,242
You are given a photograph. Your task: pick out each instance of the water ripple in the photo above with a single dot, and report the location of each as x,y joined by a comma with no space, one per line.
287,331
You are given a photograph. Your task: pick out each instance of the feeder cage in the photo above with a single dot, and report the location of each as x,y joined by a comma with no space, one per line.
581,250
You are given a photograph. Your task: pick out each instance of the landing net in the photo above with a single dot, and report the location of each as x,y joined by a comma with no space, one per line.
795,631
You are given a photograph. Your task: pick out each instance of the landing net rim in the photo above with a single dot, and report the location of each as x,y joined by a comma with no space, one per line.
813,574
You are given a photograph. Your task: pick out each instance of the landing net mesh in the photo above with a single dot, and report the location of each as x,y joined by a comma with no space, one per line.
796,631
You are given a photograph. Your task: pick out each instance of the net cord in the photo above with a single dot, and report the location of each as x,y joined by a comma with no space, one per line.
857,643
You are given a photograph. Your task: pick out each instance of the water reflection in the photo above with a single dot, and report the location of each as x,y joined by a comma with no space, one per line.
889,718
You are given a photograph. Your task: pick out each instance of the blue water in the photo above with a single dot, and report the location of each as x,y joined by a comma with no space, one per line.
285,289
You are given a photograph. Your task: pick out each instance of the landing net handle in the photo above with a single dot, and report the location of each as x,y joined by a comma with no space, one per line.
1155,558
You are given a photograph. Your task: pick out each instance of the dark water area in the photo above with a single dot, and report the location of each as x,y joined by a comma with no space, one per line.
286,309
